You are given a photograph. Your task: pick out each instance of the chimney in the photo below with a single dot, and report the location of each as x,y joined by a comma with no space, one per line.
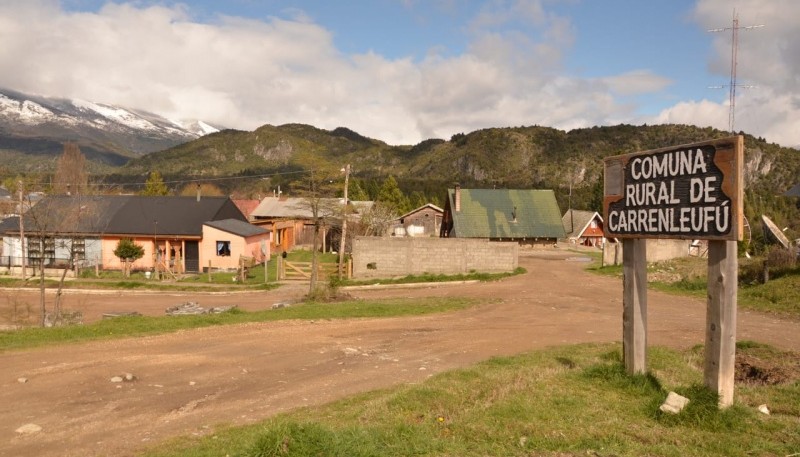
457,198
198,191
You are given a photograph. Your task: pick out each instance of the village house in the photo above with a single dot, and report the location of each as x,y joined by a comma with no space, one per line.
291,219
584,228
423,221
246,206
178,234
526,216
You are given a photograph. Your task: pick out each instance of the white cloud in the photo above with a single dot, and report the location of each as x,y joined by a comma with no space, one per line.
243,73
704,113
637,82
768,58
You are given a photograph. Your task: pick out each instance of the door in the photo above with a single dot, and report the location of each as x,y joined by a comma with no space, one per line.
192,257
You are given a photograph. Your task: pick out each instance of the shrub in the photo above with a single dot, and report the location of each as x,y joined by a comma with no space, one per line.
781,259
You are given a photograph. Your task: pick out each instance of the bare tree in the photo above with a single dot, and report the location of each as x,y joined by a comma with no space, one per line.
317,191
377,221
71,177
55,231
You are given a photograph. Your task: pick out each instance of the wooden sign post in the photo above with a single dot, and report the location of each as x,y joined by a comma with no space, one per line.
693,192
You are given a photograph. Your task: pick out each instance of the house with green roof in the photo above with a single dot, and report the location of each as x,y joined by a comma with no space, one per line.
527,216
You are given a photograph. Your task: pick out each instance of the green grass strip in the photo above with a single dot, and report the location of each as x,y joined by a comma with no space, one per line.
122,327
411,279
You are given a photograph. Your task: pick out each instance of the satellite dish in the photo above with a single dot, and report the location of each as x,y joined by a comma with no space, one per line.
773,233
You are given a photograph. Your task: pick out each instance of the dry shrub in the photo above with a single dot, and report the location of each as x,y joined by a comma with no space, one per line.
781,259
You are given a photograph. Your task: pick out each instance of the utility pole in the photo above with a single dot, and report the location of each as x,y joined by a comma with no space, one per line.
571,216
734,28
343,239
21,228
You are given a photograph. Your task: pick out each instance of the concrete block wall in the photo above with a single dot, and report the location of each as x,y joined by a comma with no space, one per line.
387,257
657,250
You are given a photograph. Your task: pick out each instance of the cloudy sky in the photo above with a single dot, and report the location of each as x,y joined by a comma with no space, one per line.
406,70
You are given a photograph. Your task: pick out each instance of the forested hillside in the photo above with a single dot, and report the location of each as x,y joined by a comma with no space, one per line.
257,163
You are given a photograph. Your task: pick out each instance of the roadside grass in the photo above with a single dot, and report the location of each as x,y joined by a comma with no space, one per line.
227,280
558,402
427,277
219,280
123,327
687,276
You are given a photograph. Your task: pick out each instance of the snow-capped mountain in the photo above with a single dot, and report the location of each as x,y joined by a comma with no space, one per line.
110,134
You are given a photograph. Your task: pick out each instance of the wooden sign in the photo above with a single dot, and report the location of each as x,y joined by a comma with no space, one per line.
692,191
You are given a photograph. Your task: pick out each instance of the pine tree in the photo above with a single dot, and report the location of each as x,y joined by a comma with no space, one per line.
355,192
155,185
392,197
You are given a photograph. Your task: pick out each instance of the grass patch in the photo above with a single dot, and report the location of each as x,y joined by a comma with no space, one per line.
123,327
780,295
566,401
410,279
687,276
607,270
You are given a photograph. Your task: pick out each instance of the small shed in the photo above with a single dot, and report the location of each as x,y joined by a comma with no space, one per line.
423,221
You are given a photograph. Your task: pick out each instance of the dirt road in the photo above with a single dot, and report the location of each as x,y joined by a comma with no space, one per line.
191,381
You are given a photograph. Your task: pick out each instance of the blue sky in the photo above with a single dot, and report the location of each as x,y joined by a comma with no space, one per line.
406,70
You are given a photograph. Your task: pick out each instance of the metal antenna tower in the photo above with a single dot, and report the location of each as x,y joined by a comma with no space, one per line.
734,28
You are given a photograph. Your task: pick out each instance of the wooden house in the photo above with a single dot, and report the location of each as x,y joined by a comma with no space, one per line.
423,221
286,218
291,219
523,215
584,227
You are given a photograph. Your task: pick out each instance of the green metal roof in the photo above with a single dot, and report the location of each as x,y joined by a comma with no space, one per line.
506,213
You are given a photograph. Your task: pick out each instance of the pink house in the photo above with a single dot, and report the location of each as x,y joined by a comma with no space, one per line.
178,234
225,241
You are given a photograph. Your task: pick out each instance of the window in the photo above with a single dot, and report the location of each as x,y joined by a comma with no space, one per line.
224,248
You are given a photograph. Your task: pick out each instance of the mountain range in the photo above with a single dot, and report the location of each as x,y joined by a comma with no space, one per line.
124,146
527,156
34,128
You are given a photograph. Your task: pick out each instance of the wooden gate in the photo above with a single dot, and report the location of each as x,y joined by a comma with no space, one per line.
301,271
